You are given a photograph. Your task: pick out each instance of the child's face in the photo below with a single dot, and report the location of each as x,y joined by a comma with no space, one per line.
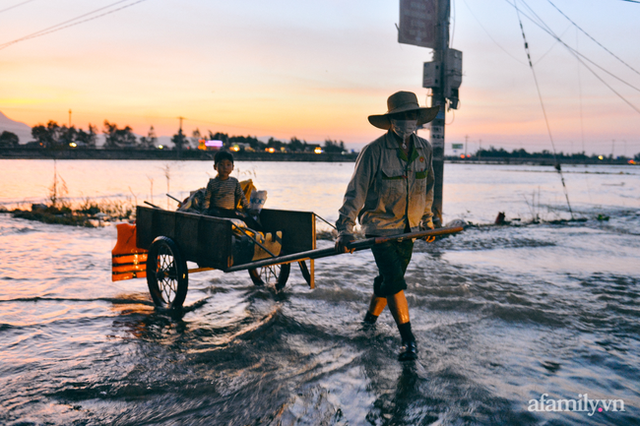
224,169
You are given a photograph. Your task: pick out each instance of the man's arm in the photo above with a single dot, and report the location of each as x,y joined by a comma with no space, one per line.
356,193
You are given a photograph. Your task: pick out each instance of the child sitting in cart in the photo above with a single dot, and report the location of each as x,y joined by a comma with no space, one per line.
223,193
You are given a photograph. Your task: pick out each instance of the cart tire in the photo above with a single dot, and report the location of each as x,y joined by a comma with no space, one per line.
272,274
167,274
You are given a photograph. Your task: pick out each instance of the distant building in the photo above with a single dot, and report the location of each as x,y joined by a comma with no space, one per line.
241,146
210,145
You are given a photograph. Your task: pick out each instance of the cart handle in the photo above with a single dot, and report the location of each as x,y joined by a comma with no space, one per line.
356,245
175,199
152,205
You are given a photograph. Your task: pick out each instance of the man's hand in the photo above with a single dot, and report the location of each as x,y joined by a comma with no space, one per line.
341,244
428,227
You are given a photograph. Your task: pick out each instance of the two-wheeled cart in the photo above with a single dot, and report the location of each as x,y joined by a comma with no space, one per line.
161,243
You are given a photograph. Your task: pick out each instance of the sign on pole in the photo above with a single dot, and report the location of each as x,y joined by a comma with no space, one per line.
418,21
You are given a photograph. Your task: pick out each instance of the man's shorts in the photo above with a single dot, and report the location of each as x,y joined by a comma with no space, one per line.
392,259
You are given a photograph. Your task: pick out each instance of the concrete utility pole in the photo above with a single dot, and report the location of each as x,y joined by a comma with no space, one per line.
438,97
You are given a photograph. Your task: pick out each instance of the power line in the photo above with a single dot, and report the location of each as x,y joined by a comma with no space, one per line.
577,54
580,89
544,112
15,5
71,23
37,33
552,46
593,39
489,35
542,25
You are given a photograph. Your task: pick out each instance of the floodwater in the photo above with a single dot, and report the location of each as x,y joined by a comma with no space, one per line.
510,320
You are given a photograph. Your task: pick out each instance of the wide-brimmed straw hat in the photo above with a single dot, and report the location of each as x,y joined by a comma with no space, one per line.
403,102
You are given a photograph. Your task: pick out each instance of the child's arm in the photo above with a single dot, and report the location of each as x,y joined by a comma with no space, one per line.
240,197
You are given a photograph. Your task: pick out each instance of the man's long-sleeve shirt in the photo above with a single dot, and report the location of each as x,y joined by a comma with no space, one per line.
389,190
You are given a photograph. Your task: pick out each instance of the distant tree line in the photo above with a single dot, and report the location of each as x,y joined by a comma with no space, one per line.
493,152
252,143
293,145
58,137
8,139
55,136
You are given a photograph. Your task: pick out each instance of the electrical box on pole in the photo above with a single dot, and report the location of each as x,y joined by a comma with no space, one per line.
431,75
453,77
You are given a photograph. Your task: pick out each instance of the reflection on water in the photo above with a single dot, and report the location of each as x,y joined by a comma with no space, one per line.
502,314
473,192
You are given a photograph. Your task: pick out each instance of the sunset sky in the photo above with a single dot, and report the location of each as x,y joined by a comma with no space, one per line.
316,69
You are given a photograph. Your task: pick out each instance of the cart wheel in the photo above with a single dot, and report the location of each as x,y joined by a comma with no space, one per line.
272,274
167,274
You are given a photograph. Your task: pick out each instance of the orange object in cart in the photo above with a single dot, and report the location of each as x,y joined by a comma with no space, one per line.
127,260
